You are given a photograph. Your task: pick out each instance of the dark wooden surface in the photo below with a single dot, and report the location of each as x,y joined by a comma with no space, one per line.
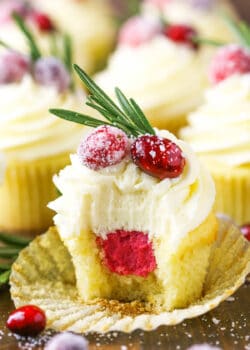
228,327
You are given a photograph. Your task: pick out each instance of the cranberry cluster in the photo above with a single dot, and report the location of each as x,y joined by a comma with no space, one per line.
108,145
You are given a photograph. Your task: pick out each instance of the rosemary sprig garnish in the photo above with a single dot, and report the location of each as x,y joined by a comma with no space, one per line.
127,116
12,245
240,29
34,50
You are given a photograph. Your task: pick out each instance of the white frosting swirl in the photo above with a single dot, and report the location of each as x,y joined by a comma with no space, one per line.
166,79
27,129
220,129
124,197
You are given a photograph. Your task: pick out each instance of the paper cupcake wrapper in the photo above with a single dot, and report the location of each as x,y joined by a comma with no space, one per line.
25,193
43,275
233,192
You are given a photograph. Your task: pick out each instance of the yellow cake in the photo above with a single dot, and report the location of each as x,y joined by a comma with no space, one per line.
219,132
136,228
89,23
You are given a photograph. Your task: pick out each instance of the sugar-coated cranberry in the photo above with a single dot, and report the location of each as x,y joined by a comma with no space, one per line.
28,320
245,229
181,34
105,146
8,7
13,66
229,60
138,30
67,341
50,71
157,156
42,21
128,253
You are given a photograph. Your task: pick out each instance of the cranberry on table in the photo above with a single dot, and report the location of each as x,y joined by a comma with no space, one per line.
13,67
182,34
105,146
67,341
27,320
245,229
229,60
42,21
158,156
138,30
50,71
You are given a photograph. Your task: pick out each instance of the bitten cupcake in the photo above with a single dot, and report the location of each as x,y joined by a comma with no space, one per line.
219,130
90,24
36,144
205,15
136,209
161,66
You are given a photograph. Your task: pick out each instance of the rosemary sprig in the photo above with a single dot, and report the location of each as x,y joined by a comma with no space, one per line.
127,116
240,29
4,278
34,50
14,240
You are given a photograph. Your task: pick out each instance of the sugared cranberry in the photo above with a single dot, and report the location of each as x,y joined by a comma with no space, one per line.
50,71
28,320
13,66
138,30
8,7
245,229
67,341
42,21
230,59
157,156
182,34
128,253
105,146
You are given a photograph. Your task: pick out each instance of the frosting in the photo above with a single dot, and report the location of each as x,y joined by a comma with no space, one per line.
124,197
27,129
158,75
220,129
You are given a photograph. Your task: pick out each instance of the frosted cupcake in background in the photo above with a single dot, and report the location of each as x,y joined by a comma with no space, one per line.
161,66
219,130
90,24
205,15
36,144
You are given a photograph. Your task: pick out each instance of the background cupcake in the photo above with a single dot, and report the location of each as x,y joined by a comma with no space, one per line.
89,23
219,131
36,144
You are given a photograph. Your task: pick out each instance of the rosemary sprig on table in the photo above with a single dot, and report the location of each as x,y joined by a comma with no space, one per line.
11,247
127,116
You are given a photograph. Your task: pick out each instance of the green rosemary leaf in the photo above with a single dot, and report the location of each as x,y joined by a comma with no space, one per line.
34,50
124,103
140,114
6,252
5,267
236,29
245,30
54,51
4,278
77,117
7,46
14,240
209,42
67,45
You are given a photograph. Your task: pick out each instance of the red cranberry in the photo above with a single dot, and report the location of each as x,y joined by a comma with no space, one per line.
138,30
157,156
13,67
105,146
50,71
28,320
245,229
128,253
181,34
42,21
230,59
67,341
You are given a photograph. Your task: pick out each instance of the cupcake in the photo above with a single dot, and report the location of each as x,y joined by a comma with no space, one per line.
219,131
205,15
42,26
90,24
159,65
36,144
136,209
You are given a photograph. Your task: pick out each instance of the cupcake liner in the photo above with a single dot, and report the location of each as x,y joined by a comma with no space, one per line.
49,282
25,193
233,192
